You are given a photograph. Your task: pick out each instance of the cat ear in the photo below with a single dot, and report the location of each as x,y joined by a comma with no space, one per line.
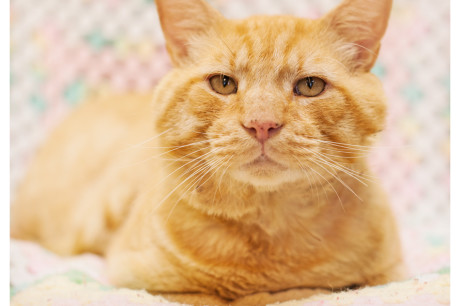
183,22
361,24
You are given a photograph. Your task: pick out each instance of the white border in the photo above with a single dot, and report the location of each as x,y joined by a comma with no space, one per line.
5,151
455,152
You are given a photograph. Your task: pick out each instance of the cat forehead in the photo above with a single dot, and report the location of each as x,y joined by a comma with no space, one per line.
270,24
271,45
265,36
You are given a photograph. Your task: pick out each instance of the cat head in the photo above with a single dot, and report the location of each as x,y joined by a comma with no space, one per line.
269,100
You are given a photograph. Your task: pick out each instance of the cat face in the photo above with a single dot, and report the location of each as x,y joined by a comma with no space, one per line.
267,100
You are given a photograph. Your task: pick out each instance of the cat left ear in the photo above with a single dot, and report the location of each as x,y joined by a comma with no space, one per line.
361,24
183,23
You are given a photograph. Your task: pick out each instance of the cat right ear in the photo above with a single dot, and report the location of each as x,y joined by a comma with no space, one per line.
183,23
361,25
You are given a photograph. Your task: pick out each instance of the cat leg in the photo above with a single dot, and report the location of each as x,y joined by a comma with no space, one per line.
264,298
97,215
85,223
397,272
198,299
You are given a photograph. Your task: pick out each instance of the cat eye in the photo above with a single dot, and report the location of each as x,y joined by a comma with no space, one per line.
309,87
223,84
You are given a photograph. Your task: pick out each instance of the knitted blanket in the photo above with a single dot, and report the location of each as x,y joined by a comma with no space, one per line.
39,277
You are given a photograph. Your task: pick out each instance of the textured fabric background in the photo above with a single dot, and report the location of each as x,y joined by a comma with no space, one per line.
63,52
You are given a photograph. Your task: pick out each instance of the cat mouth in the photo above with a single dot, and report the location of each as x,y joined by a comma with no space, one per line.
264,172
264,163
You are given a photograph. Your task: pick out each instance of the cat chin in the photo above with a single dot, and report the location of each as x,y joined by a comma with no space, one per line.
266,180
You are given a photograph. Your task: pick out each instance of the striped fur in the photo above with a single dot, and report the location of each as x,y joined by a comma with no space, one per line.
189,211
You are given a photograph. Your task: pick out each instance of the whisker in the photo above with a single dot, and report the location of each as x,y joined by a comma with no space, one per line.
338,167
346,151
309,180
213,173
198,159
195,163
209,168
345,157
341,203
220,180
158,156
188,187
350,146
193,169
344,168
336,177
172,191
174,148
145,141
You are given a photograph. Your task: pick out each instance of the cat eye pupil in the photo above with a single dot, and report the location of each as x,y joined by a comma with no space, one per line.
310,82
225,80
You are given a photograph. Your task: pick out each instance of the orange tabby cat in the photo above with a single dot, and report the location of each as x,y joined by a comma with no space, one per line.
248,182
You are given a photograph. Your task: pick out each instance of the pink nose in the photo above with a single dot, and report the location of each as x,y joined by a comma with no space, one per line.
262,130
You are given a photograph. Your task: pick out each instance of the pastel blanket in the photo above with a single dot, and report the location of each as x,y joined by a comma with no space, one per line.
39,277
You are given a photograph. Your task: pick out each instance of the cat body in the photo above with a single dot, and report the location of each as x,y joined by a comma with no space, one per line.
231,180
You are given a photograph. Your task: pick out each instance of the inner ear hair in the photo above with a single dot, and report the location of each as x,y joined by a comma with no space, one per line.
360,25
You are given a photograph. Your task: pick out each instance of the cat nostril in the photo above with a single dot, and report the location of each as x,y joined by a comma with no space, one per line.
252,131
262,130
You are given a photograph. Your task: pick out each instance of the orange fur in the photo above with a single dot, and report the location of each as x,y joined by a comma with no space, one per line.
189,210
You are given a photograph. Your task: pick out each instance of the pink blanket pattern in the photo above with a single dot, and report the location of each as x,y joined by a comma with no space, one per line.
65,52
